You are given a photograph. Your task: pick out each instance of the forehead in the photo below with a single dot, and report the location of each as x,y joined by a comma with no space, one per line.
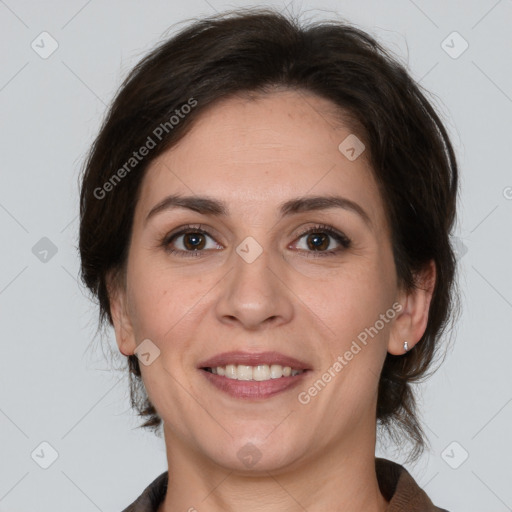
255,153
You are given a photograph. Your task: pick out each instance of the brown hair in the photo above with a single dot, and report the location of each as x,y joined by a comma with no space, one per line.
257,51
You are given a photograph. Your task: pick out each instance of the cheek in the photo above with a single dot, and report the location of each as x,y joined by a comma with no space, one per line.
352,302
160,301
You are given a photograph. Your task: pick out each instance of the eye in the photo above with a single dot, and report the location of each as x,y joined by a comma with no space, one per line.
190,241
318,240
193,241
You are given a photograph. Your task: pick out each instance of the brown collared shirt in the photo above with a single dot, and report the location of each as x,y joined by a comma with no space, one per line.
395,482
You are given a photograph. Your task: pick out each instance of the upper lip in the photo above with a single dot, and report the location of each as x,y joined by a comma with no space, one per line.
254,359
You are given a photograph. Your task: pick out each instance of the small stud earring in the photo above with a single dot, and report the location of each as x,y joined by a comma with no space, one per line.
406,348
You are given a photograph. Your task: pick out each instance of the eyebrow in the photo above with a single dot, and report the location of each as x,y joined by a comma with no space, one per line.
209,206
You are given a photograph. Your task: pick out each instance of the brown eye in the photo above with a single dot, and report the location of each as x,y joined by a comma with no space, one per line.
191,241
318,241
194,241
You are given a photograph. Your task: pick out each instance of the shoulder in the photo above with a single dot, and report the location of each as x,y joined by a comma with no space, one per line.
401,490
151,497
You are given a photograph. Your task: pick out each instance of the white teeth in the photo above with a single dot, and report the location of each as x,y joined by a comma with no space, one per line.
230,372
276,371
258,373
261,372
244,372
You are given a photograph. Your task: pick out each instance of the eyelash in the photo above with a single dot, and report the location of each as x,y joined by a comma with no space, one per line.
342,239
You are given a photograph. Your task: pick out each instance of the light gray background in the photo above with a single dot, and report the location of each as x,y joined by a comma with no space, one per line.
54,388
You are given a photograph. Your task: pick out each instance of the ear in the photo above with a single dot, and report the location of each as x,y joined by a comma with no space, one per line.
411,321
122,324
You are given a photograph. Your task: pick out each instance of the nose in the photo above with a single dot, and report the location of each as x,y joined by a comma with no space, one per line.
254,294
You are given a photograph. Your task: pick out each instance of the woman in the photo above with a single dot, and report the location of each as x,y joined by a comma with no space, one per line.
265,222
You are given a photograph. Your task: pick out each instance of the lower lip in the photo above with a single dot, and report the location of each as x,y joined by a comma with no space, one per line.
251,389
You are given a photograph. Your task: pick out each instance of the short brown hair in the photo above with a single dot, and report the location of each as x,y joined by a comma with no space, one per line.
256,51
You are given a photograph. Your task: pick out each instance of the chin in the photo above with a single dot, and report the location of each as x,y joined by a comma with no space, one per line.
252,454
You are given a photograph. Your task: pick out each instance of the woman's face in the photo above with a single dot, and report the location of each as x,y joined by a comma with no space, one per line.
249,280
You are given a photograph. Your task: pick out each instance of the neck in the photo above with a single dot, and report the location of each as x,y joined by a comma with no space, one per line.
339,477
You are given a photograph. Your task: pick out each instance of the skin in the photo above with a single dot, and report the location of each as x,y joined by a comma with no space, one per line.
254,155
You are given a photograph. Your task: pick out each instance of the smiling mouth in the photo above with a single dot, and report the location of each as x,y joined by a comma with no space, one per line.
259,373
